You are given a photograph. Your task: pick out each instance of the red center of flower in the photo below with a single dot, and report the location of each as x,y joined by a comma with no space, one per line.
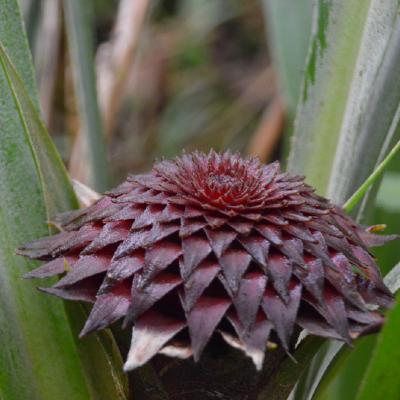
224,185
225,181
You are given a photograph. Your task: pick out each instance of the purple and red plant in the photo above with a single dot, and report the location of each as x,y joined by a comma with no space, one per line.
215,245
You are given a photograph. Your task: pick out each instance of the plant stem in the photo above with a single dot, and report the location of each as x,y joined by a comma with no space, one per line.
359,193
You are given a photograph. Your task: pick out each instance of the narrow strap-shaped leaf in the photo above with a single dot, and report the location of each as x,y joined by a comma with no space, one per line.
41,358
342,130
337,142
392,279
381,380
338,363
374,177
35,334
57,189
371,120
91,140
289,43
15,42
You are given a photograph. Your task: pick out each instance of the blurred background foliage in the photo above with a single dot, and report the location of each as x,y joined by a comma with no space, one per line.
139,80
177,75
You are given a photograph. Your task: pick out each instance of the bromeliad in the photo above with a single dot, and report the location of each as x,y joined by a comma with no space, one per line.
214,244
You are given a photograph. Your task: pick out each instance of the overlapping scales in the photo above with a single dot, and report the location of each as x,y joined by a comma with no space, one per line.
215,244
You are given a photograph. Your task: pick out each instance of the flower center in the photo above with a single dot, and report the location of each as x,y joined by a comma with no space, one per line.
223,181
218,185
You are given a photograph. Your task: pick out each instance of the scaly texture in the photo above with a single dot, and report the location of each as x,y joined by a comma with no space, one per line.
212,244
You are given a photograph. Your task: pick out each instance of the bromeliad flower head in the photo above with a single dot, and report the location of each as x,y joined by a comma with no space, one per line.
213,244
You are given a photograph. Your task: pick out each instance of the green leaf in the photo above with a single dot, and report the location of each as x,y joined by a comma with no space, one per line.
392,279
359,154
289,43
342,378
387,210
381,380
14,40
78,25
337,143
329,71
373,178
371,123
339,368
55,185
32,10
41,357
348,116
38,354
100,358
389,192
316,369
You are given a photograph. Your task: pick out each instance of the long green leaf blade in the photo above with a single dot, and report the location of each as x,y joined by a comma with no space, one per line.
373,178
78,25
15,41
38,352
381,380
41,357
371,121
331,62
289,43
341,132
57,190
58,194
346,366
